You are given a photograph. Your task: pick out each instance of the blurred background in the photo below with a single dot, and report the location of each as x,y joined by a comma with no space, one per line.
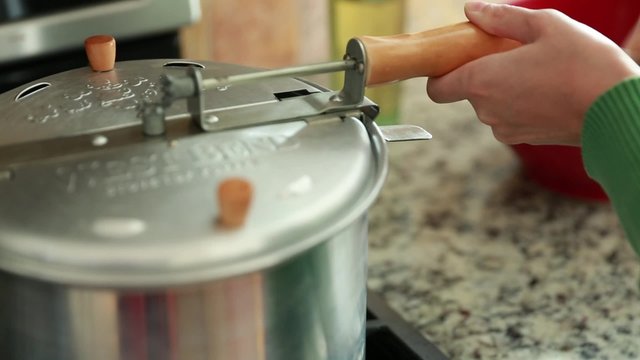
276,33
39,38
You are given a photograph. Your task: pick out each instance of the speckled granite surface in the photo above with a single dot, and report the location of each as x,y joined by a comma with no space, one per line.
488,265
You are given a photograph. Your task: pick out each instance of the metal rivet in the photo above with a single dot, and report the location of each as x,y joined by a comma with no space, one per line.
6,175
211,119
152,115
99,140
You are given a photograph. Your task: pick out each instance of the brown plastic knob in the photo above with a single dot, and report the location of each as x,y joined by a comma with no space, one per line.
234,200
101,52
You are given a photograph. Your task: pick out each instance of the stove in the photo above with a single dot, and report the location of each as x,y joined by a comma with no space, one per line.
389,337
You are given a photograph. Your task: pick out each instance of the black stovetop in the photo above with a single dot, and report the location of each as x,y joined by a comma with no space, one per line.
389,337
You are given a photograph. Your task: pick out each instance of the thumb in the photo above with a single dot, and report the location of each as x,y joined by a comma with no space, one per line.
503,20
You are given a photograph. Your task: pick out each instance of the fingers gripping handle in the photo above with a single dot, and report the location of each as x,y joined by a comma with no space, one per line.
430,53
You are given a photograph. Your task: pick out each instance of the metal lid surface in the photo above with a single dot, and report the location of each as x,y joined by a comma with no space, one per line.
85,200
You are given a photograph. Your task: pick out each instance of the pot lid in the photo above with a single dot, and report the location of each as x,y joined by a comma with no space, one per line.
88,199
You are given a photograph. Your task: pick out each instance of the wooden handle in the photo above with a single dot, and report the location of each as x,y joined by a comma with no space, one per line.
101,52
430,53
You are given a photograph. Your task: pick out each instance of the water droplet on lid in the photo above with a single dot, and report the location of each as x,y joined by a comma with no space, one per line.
299,186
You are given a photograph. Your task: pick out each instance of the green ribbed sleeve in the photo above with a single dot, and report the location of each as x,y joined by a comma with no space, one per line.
611,151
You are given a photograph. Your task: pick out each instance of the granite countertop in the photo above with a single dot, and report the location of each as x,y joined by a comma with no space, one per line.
488,265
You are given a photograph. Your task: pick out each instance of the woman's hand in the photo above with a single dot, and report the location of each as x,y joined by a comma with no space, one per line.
539,92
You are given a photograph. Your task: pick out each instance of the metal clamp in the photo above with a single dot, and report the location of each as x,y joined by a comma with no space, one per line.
349,100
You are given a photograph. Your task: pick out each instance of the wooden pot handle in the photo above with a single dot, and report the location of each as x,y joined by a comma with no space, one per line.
429,53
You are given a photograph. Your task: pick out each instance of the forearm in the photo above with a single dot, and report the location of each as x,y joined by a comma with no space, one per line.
611,151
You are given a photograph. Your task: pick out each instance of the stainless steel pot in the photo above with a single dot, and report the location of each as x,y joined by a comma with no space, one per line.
109,247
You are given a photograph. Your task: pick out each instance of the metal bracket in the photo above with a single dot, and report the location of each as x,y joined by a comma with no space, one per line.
352,92
350,98
195,102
